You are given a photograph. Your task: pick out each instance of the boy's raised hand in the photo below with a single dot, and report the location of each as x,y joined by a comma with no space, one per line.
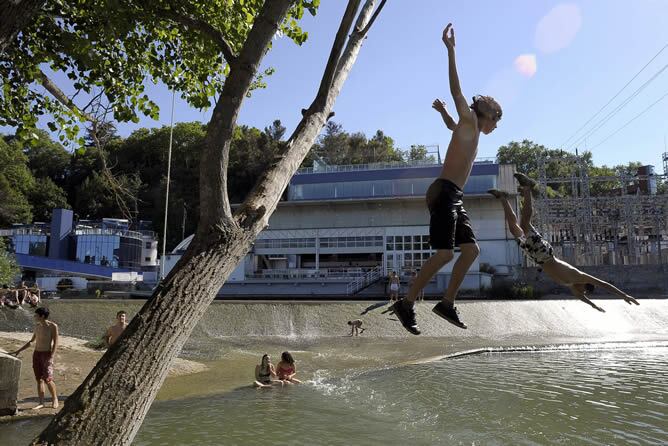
449,40
439,106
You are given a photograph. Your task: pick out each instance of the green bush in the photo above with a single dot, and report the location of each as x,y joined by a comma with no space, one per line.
507,290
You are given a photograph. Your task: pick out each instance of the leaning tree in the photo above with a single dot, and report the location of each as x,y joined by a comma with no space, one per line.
203,50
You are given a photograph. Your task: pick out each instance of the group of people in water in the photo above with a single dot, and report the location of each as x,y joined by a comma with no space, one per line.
22,294
450,225
267,375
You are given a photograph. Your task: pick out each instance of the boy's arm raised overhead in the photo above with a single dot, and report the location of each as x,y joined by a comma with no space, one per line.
463,109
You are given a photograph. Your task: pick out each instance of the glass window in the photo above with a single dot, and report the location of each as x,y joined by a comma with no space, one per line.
425,242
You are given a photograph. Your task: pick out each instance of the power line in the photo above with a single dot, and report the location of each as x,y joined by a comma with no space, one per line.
624,103
630,121
615,96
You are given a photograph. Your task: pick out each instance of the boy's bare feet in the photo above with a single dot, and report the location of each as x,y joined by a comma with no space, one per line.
56,403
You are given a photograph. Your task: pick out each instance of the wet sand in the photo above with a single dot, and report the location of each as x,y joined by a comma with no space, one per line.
73,361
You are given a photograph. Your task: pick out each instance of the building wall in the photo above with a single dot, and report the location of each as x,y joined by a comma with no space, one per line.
400,217
149,251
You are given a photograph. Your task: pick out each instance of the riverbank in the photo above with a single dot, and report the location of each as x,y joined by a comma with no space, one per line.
73,361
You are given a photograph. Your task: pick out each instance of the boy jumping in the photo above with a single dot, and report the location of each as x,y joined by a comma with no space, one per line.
449,224
540,250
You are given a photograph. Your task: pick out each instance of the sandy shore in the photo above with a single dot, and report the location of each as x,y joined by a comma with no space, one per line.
73,361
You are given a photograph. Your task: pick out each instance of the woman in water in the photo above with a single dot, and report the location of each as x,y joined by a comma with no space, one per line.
286,369
264,372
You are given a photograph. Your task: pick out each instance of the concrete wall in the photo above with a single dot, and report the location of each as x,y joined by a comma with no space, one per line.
10,372
496,322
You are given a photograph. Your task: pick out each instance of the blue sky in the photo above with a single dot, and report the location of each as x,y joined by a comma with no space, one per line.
584,52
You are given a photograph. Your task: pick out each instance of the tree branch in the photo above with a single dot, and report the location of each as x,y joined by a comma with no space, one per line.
61,97
215,205
373,17
263,199
205,29
16,15
335,53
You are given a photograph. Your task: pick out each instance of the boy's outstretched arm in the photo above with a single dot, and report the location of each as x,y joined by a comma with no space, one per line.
439,106
461,105
612,289
583,297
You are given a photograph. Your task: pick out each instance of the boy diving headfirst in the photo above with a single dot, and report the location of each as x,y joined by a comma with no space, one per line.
540,251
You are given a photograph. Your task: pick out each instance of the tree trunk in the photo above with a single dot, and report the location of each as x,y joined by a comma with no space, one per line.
14,16
109,406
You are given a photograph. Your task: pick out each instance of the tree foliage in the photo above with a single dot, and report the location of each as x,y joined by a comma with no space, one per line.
526,156
111,49
9,269
16,182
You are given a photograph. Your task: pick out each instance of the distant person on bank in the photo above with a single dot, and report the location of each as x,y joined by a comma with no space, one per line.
394,286
8,297
286,369
33,296
114,332
45,336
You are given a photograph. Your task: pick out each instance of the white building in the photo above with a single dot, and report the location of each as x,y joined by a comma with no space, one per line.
343,227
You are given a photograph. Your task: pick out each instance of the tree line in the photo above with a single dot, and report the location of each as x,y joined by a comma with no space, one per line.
39,174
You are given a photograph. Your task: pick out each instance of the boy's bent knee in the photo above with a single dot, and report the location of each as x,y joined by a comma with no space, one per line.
444,255
471,250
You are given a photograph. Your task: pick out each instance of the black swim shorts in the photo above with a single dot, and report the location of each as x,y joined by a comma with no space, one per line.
449,225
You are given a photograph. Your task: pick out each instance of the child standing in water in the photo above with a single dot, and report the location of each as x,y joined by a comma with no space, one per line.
356,327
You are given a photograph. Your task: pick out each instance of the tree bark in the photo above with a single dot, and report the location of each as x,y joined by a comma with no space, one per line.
15,15
109,406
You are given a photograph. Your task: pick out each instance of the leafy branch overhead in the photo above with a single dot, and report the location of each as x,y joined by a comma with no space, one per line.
114,48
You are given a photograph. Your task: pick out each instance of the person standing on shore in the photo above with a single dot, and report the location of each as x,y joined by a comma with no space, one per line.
45,337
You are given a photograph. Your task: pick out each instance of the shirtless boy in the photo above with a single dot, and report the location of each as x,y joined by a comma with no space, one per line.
46,343
394,286
449,224
541,252
114,332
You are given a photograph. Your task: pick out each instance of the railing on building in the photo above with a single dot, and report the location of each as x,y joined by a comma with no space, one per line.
379,166
302,273
359,283
108,231
23,231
